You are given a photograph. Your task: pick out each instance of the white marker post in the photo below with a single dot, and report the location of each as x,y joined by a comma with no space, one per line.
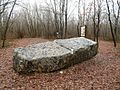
83,31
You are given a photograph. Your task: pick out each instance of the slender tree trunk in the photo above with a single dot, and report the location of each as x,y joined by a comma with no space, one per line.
62,9
7,24
0,21
98,28
110,22
94,23
116,23
78,26
84,13
66,18
99,2
117,20
0,11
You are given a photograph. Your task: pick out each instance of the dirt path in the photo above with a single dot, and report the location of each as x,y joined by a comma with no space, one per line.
100,73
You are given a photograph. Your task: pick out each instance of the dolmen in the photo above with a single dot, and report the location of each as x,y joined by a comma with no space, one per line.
53,55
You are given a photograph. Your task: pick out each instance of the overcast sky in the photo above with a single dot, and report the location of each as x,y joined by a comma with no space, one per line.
72,3
72,8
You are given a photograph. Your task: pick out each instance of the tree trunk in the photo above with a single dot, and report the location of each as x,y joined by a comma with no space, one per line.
78,25
94,23
117,20
66,18
110,22
7,24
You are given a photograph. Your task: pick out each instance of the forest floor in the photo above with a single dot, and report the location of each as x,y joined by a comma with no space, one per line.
99,73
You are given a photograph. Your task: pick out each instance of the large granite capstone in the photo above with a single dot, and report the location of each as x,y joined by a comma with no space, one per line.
82,48
52,56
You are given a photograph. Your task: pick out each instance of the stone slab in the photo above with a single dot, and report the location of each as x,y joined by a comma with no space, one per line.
81,47
52,56
42,57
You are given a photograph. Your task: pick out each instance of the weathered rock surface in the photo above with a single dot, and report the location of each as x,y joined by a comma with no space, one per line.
81,48
42,57
51,56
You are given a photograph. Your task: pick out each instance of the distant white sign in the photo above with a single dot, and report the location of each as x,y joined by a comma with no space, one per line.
83,31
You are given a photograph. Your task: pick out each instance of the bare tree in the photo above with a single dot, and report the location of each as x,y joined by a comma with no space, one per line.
116,16
99,4
94,22
88,13
7,24
66,14
78,25
84,12
56,17
62,9
110,22
3,6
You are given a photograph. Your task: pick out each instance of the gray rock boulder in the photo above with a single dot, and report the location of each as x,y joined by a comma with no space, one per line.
42,57
52,56
82,48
